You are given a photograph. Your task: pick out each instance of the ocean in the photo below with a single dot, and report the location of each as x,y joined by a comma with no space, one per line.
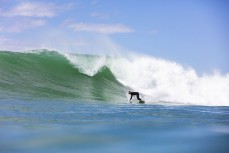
61,102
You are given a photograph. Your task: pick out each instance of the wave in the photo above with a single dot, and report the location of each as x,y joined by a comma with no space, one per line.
50,74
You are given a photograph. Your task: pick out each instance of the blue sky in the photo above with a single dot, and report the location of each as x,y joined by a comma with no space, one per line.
190,32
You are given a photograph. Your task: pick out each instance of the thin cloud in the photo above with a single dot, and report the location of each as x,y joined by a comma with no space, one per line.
21,25
10,44
100,15
100,28
34,9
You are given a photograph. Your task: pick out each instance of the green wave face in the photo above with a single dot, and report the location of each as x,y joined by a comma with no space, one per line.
49,74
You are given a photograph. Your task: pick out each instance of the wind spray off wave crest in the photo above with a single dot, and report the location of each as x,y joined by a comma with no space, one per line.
87,64
161,80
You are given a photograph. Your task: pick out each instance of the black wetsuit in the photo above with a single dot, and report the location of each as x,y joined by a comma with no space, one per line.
134,93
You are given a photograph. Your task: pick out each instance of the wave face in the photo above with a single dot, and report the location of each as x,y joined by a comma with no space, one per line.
49,74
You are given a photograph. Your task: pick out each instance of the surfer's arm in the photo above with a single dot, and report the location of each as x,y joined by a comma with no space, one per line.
130,97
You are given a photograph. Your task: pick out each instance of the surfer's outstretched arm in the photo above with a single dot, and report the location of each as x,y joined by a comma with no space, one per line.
131,97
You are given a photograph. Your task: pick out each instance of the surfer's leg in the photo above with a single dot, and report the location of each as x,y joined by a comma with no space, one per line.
138,97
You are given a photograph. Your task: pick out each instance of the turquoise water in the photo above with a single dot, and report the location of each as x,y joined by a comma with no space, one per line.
53,102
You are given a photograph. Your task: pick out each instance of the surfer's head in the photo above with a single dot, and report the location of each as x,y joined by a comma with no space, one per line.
129,92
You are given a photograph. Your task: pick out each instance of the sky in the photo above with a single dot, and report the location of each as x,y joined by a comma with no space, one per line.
193,33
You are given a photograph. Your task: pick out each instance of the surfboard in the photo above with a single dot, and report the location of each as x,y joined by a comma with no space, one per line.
141,102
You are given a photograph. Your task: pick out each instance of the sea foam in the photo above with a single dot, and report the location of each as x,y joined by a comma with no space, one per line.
160,80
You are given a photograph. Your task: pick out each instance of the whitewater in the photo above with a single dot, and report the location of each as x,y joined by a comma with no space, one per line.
160,80
46,73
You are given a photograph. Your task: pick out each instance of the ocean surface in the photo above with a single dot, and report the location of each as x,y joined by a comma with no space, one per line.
61,102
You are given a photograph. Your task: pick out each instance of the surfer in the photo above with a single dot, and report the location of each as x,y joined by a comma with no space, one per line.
135,93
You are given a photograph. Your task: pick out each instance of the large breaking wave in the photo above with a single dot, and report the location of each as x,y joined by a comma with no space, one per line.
49,74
